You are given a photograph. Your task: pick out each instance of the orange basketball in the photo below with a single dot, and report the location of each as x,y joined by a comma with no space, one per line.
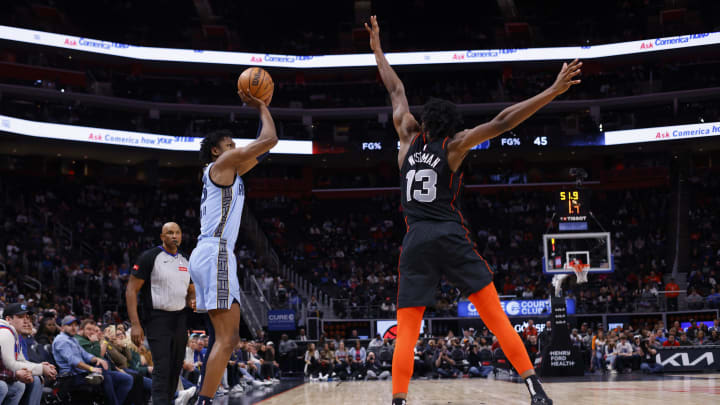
257,82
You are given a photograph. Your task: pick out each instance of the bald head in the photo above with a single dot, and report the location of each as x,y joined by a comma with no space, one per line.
171,236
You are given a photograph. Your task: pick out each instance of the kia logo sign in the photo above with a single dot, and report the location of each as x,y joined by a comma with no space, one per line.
682,359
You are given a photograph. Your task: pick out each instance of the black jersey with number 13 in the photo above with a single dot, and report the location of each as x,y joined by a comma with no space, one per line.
430,189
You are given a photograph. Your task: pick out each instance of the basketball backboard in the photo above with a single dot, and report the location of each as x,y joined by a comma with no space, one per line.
589,248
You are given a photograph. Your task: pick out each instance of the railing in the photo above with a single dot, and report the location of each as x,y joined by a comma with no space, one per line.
656,303
250,314
258,292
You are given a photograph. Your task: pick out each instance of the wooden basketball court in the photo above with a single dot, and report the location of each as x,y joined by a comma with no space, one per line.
694,388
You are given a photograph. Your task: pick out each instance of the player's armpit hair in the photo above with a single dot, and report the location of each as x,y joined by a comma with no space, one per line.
440,118
210,141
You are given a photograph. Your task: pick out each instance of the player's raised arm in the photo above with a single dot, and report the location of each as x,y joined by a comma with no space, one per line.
242,159
512,116
405,123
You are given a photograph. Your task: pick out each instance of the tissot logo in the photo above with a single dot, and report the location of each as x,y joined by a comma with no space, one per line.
683,359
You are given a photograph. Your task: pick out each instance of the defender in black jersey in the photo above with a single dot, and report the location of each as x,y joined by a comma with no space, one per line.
438,238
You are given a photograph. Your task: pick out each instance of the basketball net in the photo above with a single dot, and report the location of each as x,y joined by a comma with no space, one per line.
581,271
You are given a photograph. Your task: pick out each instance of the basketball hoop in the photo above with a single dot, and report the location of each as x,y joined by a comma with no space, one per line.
581,271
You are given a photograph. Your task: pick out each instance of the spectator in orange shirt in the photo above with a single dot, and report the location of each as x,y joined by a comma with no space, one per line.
530,330
672,297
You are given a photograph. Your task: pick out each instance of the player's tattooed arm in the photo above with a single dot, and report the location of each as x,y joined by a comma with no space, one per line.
405,123
512,116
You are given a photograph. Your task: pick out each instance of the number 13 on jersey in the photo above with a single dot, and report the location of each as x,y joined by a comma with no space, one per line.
428,190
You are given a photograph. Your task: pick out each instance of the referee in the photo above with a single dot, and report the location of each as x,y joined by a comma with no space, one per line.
161,277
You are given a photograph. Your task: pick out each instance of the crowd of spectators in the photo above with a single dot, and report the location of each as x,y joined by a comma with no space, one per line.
349,248
70,246
474,353
703,246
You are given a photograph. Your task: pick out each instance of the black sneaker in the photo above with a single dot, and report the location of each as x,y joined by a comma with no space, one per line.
540,399
537,393
399,401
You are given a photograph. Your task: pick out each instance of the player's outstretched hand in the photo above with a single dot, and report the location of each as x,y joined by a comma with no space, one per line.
374,30
251,100
567,77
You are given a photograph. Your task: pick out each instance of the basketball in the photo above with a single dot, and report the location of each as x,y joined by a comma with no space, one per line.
257,82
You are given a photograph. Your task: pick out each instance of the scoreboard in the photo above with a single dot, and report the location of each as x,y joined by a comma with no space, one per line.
572,209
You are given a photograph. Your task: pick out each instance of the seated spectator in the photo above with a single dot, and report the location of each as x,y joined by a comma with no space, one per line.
480,362
247,369
301,337
468,336
74,363
342,364
671,342
373,369
692,330
313,308
598,352
312,362
444,364
47,331
649,363
385,354
357,357
694,300
376,342
611,354
532,348
11,386
684,341
713,299
701,339
17,323
268,366
193,359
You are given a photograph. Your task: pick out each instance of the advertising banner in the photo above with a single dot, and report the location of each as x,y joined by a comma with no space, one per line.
129,138
693,358
668,133
516,307
281,319
352,60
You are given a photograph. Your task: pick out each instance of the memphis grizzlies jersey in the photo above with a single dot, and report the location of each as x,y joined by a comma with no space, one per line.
430,190
221,209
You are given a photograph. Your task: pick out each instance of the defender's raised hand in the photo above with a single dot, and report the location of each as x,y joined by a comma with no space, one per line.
566,77
374,32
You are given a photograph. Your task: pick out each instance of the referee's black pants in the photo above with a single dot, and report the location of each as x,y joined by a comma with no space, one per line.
167,335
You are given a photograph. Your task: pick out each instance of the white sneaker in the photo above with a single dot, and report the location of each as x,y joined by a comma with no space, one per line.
237,390
221,391
275,380
184,396
323,377
256,383
267,382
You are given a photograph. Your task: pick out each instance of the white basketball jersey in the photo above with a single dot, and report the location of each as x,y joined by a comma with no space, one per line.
221,209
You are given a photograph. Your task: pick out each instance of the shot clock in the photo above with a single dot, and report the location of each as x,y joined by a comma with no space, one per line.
572,209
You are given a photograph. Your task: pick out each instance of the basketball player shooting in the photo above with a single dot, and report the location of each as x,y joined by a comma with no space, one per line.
437,239
213,266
